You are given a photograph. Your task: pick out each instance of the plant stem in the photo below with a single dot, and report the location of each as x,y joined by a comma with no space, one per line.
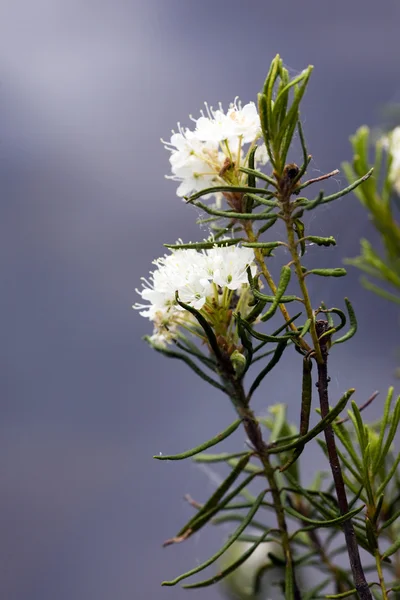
380,575
254,434
317,328
360,582
300,275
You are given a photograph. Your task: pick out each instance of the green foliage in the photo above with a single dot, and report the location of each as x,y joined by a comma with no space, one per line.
377,196
360,501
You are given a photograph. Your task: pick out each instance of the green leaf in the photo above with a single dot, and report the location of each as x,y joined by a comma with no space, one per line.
392,549
347,190
392,432
317,524
246,341
298,226
332,414
209,444
337,272
204,245
247,520
321,241
216,458
232,567
371,535
259,175
272,363
284,280
204,325
377,458
262,216
268,224
266,245
372,287
263,337
226,188
211,507
290,121
188,361
353,324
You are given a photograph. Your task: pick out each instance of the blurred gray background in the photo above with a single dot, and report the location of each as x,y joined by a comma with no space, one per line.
87,89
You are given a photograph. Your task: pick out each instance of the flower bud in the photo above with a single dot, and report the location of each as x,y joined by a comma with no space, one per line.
238,362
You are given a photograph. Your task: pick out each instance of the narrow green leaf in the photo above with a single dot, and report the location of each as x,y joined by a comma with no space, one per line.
343,435
262,216
188,361
392,549
209,444
392,432
204,245
268,224
347,594
246,341
372,287
378,508
231,568
204,325
392,519
320,241
209,509
390,475
382,430
249,468
183,343
271,364
332,414
226,188
251,181
371,535
353,324
216,458
328,523
337,272
284,280
263,112
247,520
298,226
339,194
263,245
263,337
259,175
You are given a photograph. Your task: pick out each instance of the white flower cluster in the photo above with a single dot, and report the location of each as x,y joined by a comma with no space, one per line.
196,276
198,157
394,149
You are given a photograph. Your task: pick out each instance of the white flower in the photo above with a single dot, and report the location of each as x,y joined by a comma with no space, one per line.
228,266
393,143
261,156
237,123
194,276
195,164
198,157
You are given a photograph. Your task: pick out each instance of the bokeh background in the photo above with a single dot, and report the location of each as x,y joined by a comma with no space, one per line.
87,90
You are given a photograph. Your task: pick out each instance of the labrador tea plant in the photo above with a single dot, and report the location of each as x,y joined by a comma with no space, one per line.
211,303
